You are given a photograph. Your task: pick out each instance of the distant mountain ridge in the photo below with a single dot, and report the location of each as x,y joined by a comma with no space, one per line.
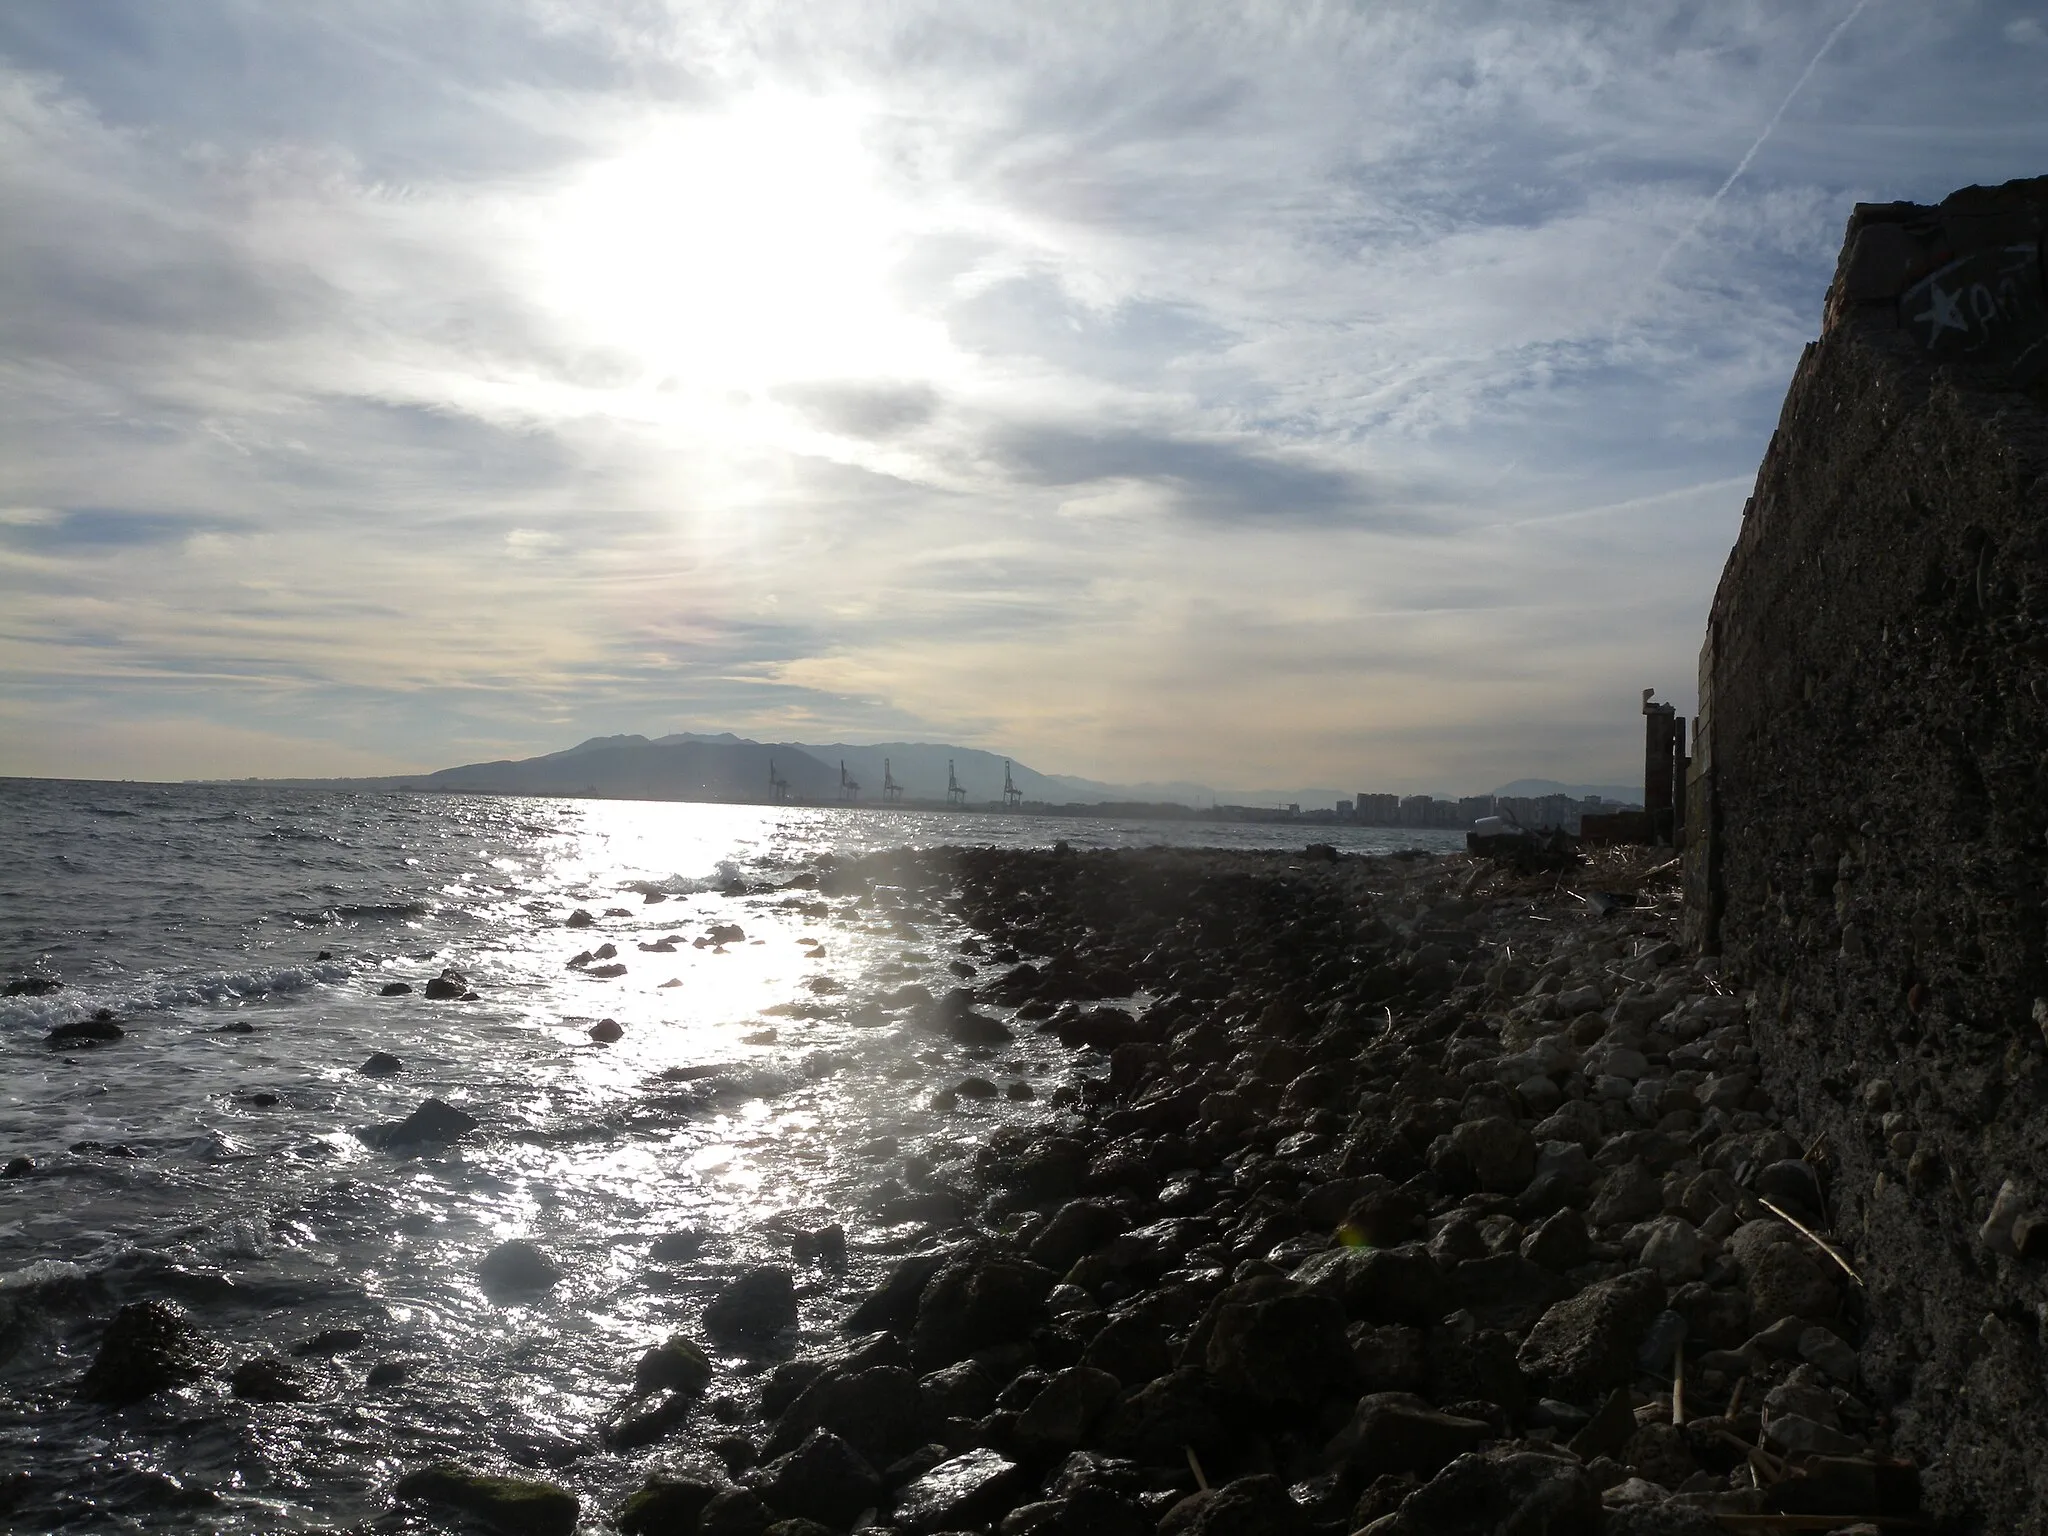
722,766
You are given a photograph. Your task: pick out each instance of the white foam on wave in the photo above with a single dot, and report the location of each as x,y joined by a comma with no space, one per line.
33,1277
74,1003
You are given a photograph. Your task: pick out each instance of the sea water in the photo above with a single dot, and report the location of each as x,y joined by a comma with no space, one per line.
243,937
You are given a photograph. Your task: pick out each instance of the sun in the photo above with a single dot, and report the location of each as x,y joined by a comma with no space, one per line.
736,249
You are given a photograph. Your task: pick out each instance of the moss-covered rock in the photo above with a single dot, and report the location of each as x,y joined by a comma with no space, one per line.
512,1505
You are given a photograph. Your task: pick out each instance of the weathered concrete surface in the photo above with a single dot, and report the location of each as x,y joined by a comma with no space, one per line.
1870,787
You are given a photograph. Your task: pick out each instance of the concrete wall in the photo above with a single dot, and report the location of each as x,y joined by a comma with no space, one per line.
1869,800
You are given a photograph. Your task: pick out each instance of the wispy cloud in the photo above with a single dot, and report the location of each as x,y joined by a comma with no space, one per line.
1255,394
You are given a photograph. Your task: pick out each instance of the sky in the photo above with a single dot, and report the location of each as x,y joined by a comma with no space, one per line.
1254,394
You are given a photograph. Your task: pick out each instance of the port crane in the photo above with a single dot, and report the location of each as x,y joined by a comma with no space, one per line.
892,792
1012,795
849,787
778,786
955,795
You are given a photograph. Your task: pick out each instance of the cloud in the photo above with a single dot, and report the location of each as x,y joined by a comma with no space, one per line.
474,378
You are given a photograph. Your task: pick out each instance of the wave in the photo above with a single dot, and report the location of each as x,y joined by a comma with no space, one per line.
360,912
724,873
73,1004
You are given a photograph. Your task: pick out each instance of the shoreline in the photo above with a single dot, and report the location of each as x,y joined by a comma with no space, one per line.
1418,1194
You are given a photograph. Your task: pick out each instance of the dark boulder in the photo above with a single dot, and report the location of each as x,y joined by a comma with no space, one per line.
1078,1227
434,1123
1062,1415
605,1031
517,1267
509,1505
893,1303
1392,1432
1283,1350
667,1504
147,1348
1249,1506
824,1479
1484,1494
100,1029
449,984
974,1302
758,1303
267,1379
969,1490
395,989
1586,1344
381,1064
879,1411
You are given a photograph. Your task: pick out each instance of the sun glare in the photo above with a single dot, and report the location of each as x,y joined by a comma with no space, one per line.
736,250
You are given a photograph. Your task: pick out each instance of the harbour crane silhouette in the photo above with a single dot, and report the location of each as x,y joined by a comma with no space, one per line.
778,786
849,788
892,792
955,795
1012,795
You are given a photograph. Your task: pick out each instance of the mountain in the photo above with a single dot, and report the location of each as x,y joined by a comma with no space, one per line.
634,768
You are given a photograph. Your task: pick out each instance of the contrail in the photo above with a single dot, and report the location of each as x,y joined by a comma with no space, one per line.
1720,192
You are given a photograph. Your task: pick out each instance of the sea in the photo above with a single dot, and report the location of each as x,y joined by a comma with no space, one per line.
215,1155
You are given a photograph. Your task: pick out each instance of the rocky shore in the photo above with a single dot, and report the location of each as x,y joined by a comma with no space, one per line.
1406,1195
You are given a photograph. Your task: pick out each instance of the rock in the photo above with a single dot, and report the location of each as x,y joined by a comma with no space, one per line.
395,989
734,1512
1388,1357
267,1379
1560,1242
1156,1423
1500,1153
649,1417
878,1410
1283,1350
676,1364
605,1031
1246,1506
147,1348
961,1391
1793,1434
513,1506
1391,1432
329,1342
1132,1347
825,1245
1586,1344
1066,1409
667,1504
824,1479
31,986
1504,1291
676,1247
1790,1184
1078,1227
100,1029
1378,1285
578,919
756,1304
968,1490
381,1064
18,1167
446,985
1674,1249
1628,1193
432,1124
1820,1347
975,1301
893,1302
517,1267
1784,1282
1483,1494
605,972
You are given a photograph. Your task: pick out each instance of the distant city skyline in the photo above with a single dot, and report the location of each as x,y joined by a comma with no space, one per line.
1244,395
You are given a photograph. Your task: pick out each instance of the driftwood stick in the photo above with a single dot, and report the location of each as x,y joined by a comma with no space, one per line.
1813,1237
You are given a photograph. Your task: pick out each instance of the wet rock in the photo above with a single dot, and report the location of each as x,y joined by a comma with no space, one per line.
1505,1290
1784,1280
676,1247
387,1373
512,1506
147,1348
823,1479
100,1029
1792,1186
605,1031
395,989
878,1410
1156,1423
517,1267
669,1503
1673,1248
969,1490
449,984
1628,1193
676,1364
1061,1416
381,1064
578,919
329,1342
976,1301
1247,1506
31,986
434,1123
1378,1285
734,1512
758,1303
825,1245
1586,1344
605,972
1388,1357
267,1379
1133,1348
961,1391
893,1302
18,1167
1079,1227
